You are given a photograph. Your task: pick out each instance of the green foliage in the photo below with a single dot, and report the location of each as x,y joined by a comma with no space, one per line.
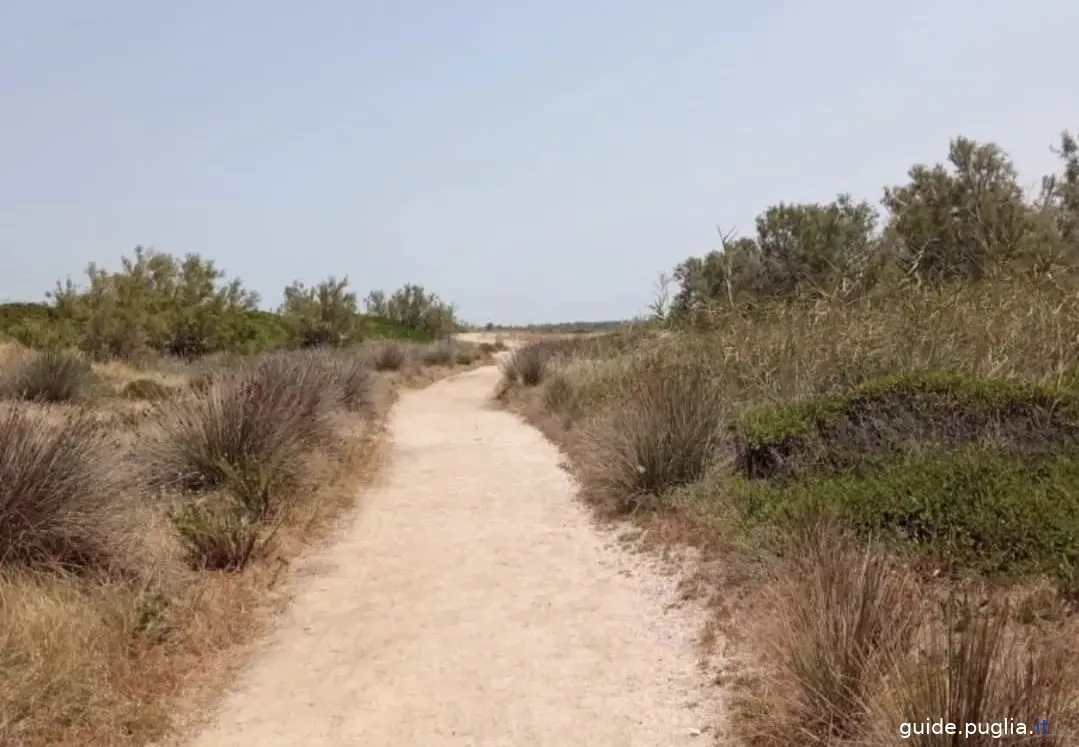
904,413
973,472
373,327
959,220
325,314
971,508
414,308
156,303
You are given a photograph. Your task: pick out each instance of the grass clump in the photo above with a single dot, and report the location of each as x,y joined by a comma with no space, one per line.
60,489
980,675
263,418
389,356
669,433
53,376
526,365
441,353
220,535
844,615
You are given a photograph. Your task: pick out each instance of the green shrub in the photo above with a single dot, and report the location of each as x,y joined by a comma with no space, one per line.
973,507
221,538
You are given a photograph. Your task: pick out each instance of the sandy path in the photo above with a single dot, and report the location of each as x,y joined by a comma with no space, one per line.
472,603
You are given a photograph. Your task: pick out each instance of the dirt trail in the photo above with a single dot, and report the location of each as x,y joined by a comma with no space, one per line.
472,603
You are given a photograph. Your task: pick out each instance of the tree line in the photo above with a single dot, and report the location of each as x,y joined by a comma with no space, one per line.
187,307
964,219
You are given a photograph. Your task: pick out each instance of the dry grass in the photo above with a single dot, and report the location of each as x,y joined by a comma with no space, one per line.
106,633
60,493
935,431
49,377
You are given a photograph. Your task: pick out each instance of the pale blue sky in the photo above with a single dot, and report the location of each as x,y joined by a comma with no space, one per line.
531,161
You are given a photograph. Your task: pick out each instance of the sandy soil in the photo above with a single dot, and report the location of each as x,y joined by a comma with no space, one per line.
472,603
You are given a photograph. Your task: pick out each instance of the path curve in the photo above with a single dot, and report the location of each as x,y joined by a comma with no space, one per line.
471,602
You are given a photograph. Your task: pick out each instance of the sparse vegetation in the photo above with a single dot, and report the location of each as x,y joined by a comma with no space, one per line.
162,455
905,385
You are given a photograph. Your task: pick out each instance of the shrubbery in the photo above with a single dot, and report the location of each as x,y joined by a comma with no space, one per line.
905,387
158,304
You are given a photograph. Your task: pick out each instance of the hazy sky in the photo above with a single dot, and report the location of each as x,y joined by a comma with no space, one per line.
531,161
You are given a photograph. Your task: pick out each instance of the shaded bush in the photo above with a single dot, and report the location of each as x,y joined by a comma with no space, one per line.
902,414
527,364
52,376
59,493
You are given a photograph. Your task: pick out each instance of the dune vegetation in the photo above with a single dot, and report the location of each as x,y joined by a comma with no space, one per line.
864,425
166,448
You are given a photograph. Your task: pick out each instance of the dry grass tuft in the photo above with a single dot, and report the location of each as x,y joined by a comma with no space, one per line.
389,356
60,487
668,434
52,376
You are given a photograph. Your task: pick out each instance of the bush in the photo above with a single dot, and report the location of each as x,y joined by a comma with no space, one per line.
467,355
248,431
59,493
357,383
150,390
527,364
441,353
222,537
668,434
52,376
389,356
559,394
